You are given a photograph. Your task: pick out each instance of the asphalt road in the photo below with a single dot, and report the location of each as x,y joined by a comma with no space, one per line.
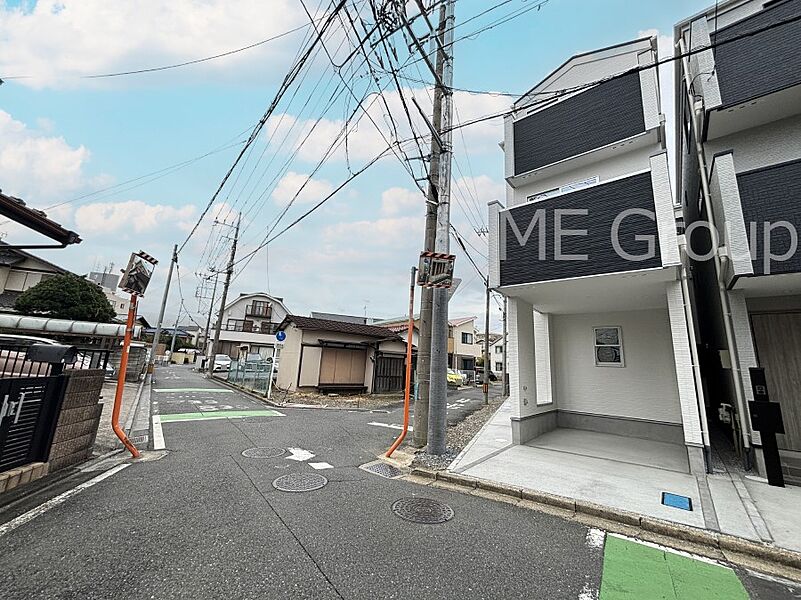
206,522
462,403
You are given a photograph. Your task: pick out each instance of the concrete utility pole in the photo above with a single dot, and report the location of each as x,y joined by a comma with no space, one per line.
420,436
504,393
164,298
487,346
228,272
438,401
175,331
206,344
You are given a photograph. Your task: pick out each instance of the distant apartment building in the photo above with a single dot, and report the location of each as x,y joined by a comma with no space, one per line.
249,325
586,251
738,93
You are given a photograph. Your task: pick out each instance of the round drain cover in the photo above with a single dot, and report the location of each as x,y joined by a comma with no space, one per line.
422,510
263,452
300,482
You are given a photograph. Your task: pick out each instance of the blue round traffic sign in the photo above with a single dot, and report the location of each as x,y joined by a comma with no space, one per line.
280,335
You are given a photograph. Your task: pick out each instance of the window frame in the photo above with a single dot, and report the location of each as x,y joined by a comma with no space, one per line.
619,346
466,334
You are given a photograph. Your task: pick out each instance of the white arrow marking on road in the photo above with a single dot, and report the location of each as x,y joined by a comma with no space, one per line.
299,454
390,426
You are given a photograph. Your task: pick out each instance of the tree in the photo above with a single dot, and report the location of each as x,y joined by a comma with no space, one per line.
66,297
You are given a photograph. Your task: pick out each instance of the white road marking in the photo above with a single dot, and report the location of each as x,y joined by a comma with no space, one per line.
158,434
390,426
588,592
299,454
60,499
595,538
321,465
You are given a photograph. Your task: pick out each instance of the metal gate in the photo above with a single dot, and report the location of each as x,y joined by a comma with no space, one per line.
29,409
389,374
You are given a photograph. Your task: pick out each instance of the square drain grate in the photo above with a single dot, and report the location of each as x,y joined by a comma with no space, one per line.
677,501
383,469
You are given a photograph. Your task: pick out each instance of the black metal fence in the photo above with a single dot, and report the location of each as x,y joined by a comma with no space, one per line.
13,361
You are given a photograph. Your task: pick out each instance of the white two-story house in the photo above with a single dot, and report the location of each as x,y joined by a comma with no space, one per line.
738,93
586,251
249,324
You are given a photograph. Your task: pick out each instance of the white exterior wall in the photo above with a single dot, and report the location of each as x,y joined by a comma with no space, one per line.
290,357
645,388
521,361
237,310
761,146
465,349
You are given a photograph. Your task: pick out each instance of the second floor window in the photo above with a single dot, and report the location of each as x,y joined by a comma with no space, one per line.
498,349
467,338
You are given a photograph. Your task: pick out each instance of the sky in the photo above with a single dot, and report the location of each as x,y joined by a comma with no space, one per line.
130,162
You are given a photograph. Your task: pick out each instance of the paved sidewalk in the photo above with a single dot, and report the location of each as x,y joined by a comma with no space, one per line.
615,472
106,439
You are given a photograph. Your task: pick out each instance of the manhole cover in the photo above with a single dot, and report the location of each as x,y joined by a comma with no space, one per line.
383,469
422,510
263,452
300,482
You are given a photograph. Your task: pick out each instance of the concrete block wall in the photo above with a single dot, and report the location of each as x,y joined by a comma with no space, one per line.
77,424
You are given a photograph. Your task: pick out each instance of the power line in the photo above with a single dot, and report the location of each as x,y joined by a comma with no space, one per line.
287,82
553,94
181,64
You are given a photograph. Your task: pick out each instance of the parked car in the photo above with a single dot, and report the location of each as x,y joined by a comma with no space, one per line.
222,362
455,378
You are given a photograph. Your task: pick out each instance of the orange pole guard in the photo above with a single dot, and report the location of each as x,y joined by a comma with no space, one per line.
115,414
407,391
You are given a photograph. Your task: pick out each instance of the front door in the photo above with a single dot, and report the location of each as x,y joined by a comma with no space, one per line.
778,341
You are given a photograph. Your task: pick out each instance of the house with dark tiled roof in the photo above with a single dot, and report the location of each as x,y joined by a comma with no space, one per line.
19,271
340,356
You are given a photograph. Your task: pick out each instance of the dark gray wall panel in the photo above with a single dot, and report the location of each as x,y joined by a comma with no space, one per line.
770,195
599,116
761,64
603,203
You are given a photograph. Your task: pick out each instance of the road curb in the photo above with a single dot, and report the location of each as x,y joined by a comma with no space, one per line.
680,535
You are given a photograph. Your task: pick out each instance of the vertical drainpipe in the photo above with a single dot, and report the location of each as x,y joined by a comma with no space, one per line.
699,384
697,110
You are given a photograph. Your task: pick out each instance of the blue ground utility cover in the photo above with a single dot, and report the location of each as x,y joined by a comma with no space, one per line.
677,501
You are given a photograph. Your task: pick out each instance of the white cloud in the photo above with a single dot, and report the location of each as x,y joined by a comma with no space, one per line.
399,200
55,41
112,218
290,185
35,166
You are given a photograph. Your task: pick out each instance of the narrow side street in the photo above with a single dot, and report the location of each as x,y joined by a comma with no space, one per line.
206,521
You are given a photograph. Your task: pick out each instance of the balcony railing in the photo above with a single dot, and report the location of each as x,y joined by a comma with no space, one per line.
264,311
250,327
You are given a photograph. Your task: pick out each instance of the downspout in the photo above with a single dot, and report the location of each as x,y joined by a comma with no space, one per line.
699,385
697,112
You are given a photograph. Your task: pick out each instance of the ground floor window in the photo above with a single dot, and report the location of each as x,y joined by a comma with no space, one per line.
608,346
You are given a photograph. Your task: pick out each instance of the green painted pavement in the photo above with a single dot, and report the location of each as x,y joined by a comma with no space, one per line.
635,571
223,414
209,390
